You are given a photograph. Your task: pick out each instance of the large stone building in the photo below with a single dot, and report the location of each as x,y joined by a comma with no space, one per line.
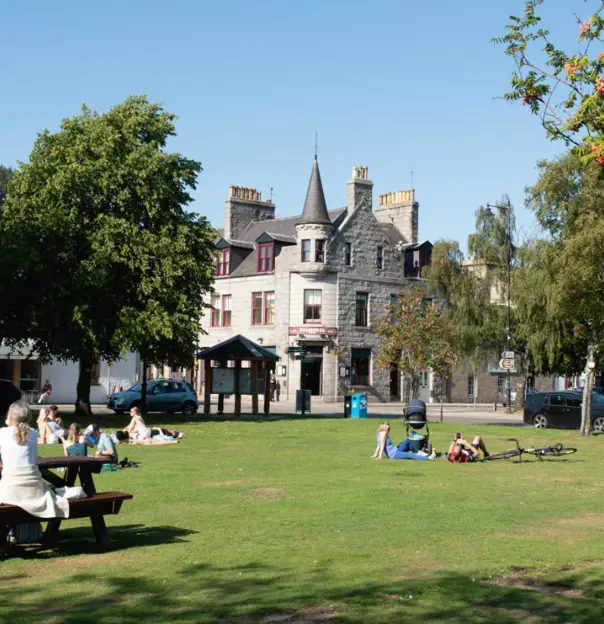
318,281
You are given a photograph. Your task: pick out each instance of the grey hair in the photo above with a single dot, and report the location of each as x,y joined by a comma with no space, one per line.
19,412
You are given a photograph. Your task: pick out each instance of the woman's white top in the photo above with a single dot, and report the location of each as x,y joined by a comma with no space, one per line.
15,455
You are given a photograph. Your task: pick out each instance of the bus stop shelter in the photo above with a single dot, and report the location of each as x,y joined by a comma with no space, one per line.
222,380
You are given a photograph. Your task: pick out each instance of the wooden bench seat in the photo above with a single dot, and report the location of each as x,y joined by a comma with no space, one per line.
93,507
103,504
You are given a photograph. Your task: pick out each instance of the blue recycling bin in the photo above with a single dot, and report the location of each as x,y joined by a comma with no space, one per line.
358,406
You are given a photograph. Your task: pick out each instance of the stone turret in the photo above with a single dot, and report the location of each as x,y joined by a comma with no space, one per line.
243,206
314,226
401,210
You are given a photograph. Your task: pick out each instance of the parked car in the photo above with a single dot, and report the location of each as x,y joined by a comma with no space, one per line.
163,395
561,410
8,394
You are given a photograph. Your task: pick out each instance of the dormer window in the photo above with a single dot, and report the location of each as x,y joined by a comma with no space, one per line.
320,250
266,257
223,262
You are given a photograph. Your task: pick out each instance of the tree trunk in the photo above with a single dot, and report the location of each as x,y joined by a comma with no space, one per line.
82,404
144,386
442,387
590,371
520,393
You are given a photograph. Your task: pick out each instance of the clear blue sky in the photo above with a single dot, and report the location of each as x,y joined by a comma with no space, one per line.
392,84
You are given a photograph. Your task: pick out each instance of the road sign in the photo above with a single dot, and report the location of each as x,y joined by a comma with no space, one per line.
506,364
507,355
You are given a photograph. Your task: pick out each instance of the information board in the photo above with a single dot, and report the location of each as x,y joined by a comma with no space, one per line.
223,381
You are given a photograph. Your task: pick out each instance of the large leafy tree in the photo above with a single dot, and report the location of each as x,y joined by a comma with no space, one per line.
568,200
107,258
474,321
415,336
564,89
6,173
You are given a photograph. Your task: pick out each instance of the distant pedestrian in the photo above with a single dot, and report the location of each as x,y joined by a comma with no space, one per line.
46,392
278,390
273,388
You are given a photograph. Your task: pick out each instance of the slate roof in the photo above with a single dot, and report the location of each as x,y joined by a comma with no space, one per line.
237,348
285,226
278,229
315,208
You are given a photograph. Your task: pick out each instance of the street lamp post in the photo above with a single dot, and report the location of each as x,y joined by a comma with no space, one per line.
507,211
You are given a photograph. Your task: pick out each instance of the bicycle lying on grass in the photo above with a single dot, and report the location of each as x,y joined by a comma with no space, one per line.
557,450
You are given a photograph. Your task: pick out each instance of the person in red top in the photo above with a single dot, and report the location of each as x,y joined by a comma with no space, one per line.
461,451
46,392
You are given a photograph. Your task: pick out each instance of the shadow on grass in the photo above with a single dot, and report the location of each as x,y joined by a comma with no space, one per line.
80,541
256,593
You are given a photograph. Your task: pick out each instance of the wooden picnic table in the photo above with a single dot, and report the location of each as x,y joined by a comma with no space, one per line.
93,507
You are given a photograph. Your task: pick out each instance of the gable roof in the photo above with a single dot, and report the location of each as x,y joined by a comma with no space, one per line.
237,348
315,208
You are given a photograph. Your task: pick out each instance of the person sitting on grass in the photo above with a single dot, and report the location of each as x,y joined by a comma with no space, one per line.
75,444
42,425
105,447
137,429
159,435
386,447
461,451
54,426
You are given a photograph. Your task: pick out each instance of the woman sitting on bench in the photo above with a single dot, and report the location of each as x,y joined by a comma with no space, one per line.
22,484
386,447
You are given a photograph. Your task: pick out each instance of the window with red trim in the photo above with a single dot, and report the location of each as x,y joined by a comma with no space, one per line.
226,310
265,257
215,318
306,250
257,308
223,262
269,308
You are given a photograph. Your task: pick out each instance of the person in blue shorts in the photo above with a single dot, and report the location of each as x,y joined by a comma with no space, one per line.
385,447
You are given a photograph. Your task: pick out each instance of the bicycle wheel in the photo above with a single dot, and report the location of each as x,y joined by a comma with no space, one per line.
558,451
505,455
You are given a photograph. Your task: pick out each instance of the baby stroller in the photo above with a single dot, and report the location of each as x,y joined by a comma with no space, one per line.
416,425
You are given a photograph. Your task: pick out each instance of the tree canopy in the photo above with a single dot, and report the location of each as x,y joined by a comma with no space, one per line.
415,336
565,90
105,255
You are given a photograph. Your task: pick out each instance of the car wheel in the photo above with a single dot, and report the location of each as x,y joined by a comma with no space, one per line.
598,424
189,408
540,421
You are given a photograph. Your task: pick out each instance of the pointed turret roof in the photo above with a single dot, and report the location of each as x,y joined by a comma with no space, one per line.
315,208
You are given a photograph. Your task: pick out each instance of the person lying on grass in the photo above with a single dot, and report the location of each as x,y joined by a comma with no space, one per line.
159,435
461,451
402,451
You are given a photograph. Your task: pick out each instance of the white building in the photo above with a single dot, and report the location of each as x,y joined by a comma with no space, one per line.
27,373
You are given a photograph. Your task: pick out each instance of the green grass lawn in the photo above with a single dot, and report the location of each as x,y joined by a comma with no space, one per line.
291,521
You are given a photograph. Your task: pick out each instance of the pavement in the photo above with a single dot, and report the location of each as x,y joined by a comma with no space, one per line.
481,413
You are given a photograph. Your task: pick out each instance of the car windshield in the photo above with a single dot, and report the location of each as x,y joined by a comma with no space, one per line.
135,388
